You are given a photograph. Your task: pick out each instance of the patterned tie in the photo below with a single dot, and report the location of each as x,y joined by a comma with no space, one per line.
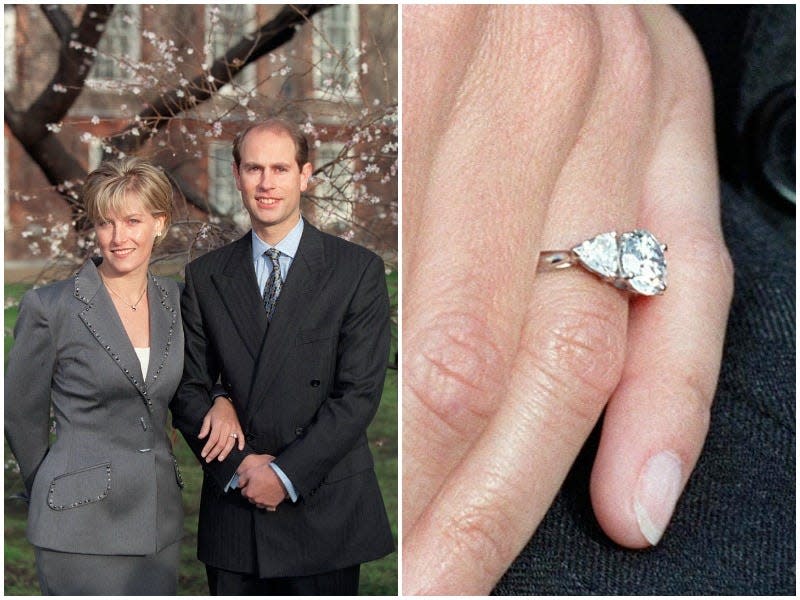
272,289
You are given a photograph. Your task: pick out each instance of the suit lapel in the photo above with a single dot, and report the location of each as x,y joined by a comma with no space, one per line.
239,291
103,322
301,282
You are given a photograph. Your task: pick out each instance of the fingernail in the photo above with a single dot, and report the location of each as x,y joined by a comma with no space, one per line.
657,493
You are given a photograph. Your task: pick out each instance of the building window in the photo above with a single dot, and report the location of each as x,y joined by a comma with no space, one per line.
336,46
222,192
334,193
119,46
10,46
226,24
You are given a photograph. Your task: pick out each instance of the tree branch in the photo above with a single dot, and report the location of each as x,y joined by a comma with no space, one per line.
57,164
73,67
248,49
58,19
192,196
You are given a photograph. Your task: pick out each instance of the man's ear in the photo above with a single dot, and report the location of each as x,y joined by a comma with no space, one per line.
235,170
305,174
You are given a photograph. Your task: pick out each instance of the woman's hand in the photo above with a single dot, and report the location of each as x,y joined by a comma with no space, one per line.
553,124
221,425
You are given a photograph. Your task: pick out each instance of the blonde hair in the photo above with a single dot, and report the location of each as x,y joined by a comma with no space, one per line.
108,185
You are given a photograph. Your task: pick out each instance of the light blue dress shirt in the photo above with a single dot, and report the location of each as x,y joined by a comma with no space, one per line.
263,265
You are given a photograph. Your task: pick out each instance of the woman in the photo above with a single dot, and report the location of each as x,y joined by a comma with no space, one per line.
106,349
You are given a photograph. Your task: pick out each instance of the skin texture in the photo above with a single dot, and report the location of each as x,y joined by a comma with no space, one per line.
554,124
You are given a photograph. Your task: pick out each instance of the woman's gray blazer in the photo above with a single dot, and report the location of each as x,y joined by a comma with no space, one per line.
109,483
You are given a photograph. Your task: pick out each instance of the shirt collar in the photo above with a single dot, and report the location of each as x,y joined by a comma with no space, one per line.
287,245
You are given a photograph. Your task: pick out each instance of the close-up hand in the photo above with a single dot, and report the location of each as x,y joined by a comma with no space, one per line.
557,124
258,483
221,425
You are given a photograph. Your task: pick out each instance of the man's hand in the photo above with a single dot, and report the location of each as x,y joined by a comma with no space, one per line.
259,483
553,124
221,425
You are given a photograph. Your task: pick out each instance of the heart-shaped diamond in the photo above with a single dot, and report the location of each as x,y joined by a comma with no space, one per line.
633,261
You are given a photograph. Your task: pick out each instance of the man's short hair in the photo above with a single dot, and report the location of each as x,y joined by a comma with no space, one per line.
281,125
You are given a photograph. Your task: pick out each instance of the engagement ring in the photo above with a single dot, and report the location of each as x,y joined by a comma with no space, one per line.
633,261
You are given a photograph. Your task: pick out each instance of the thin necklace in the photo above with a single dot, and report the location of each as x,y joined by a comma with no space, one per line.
135,304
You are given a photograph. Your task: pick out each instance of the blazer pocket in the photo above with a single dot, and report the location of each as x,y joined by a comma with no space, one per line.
314,335
77,488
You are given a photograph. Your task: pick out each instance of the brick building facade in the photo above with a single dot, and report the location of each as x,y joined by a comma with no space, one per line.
337,77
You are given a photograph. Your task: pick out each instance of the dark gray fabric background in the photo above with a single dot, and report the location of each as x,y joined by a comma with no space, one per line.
733,531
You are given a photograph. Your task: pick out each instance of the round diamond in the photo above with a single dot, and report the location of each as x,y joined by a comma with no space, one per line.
642,262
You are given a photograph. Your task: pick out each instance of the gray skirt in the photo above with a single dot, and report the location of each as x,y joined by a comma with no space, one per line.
68,573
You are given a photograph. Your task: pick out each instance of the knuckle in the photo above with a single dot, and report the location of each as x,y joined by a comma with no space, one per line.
632,58
697,397
572,39
453,367
578,353
480,535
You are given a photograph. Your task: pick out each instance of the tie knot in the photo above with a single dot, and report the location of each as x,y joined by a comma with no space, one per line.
272,254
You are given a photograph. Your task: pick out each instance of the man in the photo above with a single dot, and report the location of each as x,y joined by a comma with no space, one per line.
298,339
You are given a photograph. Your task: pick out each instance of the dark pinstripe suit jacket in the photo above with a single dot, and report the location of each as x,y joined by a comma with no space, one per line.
305,389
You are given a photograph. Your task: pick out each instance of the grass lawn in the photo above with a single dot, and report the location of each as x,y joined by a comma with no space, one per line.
377,578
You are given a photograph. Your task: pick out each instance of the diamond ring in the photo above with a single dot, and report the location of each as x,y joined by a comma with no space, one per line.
234,435
633,261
